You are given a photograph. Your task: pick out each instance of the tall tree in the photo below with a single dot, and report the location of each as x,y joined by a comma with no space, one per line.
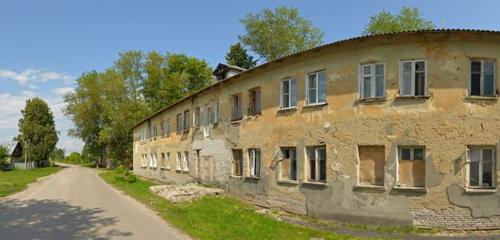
38,130
238,56
408,19
274,34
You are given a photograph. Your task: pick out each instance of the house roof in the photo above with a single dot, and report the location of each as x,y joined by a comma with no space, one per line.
223,66
340,43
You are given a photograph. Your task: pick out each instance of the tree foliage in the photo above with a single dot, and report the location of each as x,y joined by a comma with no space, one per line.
238,56
4,152
274,34
408,19
58,155
105,105
74,157
38,130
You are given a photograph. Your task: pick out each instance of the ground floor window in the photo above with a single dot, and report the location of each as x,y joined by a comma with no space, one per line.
178,162
185,162
288,165
167,161
316,159
144,160
480,161
254,164
371,165
237,168
411,167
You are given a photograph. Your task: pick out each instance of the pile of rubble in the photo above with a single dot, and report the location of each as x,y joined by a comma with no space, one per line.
183,193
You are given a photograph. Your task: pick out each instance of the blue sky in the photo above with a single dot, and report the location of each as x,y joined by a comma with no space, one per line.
46,45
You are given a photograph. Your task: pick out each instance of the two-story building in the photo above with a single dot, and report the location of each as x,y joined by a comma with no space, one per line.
395,128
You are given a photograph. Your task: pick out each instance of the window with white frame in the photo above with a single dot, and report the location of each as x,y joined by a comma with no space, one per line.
288,93
411,167
185,162
254,163
413,79
167,162
178,162
154,162
316,159
316,88
179,123
482,78
372,81
288,165
480,162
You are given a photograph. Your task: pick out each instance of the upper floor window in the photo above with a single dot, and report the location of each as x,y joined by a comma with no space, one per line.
179,123
482,78
206,115
480,161
254,106
316,157
217,112
197,116
186,120
413,79
163,130
316,88
372,81
236,107
288,93
154,130
144,135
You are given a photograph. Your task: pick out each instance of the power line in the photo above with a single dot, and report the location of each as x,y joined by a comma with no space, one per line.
16,114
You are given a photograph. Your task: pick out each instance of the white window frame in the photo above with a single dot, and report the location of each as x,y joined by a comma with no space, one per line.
412,158
178,161
413,71
282,93
317,177
185,160
253,171
317,102
480,163
373,80
482,76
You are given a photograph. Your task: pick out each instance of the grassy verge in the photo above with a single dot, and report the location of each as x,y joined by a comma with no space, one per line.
217,217
17,180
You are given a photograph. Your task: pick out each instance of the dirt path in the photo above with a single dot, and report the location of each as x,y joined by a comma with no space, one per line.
76,204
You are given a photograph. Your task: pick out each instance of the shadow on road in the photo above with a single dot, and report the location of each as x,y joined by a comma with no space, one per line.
53,219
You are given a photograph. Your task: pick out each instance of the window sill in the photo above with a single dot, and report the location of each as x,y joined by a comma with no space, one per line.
252,177
480,190
315,105
235,176
289,109
185,131
287,181
413,97
479,98
236,121
321,184
370,100
370,188
411,189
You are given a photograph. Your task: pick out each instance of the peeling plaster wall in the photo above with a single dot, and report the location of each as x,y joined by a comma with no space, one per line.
445,123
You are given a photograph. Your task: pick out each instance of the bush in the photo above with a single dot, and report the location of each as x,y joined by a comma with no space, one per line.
124,175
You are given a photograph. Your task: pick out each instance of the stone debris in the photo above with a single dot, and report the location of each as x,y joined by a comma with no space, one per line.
184,193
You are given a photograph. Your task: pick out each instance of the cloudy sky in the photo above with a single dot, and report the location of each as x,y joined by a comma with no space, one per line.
46,45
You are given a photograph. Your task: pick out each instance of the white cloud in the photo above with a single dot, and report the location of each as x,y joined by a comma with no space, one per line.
62,91
28,94
31,76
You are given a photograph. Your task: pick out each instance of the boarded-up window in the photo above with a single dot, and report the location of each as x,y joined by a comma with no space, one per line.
288,166
237,162
316,159
411,171
254,101
236,107
371,165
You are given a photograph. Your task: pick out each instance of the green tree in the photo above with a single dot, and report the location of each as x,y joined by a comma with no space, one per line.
58,155
408,19
238,56
274,34
172,76
74,157
37,130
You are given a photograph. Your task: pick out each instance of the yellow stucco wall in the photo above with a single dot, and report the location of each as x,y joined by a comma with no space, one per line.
445,123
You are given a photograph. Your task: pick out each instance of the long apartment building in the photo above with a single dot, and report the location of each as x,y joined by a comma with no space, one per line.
396,128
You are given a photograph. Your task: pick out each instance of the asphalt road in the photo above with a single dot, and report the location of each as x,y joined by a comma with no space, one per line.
76,204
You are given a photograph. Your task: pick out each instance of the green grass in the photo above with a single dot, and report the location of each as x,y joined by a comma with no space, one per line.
217,217
17,179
